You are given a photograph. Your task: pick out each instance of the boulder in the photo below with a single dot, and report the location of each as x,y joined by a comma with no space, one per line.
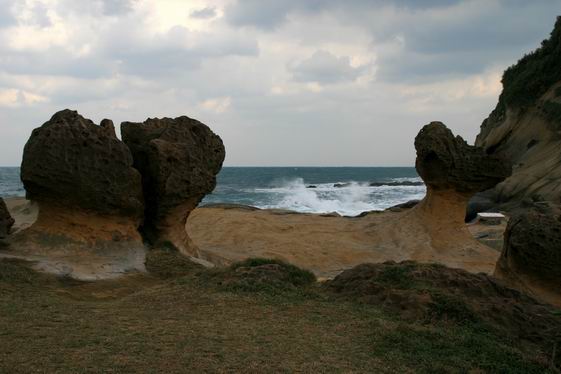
531,256
83,180
6,220
178,160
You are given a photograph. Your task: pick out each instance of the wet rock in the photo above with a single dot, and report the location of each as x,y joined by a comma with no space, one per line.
395,184
406,205
178,159
531,256
6,220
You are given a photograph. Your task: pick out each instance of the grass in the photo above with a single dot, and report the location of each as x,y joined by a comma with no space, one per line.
176,321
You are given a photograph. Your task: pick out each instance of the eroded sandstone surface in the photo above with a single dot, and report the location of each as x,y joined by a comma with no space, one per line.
178,159
92,196
525,128
531,257
82,177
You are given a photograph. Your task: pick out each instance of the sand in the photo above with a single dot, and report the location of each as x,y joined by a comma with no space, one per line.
324,244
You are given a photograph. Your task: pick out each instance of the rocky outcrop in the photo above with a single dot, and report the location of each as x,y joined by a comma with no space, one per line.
178,159
430,292
525,127
453,172
531,256
6,220
82,177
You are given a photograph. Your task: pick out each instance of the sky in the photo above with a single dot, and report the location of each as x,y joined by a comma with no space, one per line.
284,83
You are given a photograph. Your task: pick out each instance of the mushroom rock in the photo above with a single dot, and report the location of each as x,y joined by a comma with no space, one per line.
178,160
531,256
6,220
434,230
83,180
453,171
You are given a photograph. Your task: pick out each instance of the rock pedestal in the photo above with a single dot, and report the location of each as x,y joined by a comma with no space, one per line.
178,160
453,171
82,177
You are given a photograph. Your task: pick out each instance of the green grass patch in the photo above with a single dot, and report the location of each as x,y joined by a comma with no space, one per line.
168,263
396,276
265,276
446,307
430,349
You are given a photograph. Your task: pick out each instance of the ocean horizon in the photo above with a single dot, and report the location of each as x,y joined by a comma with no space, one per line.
346,190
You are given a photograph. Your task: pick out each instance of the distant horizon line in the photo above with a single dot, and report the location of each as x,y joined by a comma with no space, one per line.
285,166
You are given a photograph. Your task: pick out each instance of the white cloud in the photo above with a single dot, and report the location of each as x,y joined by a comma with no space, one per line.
335,83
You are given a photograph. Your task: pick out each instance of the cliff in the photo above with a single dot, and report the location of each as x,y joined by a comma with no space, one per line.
525,127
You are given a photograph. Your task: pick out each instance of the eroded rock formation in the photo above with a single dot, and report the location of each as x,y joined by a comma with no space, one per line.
6,220
178,159
82,177
531,256
93,196
525,128
453,171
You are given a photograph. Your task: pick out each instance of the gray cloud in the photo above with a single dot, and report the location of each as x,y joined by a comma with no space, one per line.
270,14
205,13
117,7
6,16
324,68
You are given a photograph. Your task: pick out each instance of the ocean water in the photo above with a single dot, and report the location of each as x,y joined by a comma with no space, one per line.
345,190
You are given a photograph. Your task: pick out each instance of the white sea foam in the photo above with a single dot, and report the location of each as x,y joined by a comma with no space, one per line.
351,199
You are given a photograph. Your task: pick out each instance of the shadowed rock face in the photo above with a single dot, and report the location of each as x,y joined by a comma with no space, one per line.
6,220
531,258
70,162
178,159
448,162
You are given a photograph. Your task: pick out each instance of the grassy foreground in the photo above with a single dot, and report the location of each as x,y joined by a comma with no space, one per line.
181,318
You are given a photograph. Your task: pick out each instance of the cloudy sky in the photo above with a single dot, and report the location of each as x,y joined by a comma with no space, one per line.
292,82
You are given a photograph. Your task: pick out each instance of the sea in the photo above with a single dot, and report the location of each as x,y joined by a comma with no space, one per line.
347,191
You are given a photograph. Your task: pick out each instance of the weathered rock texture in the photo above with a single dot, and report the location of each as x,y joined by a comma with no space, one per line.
531,257
178,159
525,127
82,177
453,172
6,220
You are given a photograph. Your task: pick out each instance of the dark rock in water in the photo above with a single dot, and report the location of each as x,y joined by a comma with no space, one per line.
448,162
407,205
178,159
427,292
6,220
341,185
311,186
531,257
71,162
395,184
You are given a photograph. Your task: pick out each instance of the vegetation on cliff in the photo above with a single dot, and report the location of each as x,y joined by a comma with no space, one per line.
535,73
